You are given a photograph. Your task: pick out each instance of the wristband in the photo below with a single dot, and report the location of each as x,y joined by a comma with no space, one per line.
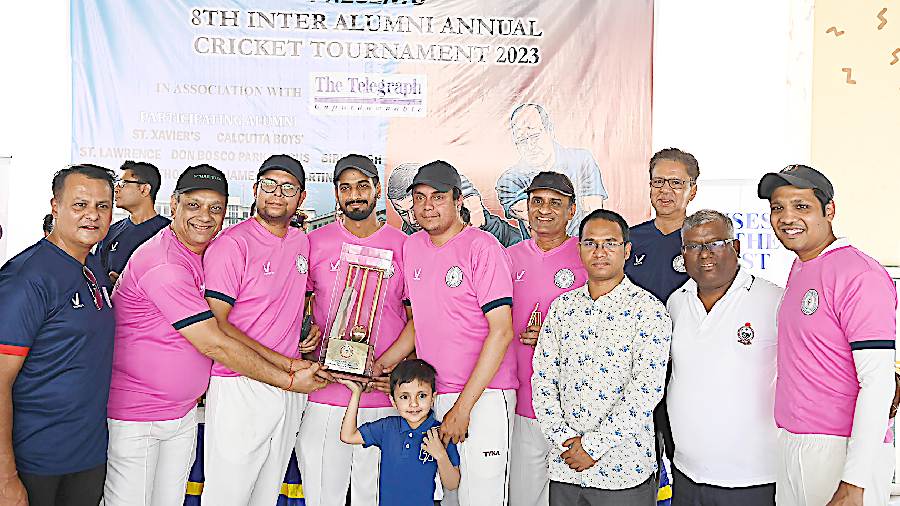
291,383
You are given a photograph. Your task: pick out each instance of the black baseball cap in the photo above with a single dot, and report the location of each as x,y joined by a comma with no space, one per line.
285,163
361,163
439,175
202,177
560,183
800,176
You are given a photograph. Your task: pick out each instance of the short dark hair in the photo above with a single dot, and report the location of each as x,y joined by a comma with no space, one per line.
412,370
606,214
677,155
48,223
146,173
88,170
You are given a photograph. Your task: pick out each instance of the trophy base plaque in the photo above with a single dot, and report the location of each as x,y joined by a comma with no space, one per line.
349,360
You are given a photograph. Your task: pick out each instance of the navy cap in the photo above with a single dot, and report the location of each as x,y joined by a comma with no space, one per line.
202,177
361,163
800,176
560,183
285,163
439,175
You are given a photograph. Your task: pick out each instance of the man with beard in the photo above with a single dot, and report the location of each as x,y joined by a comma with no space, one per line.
836,345
166,340
544,267
256,275
135,192
327,465
56,351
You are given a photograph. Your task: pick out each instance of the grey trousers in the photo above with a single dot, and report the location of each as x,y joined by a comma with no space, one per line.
566,494
687,493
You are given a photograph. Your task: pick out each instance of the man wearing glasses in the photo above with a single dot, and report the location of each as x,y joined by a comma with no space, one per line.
722,392
135,192
166,340
256,276
56,348
544,267
599,370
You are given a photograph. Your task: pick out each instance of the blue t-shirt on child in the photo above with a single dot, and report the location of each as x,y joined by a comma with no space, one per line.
407,470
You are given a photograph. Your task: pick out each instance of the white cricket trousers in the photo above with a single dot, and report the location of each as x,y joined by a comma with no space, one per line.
484,456
529,482
149,462
250,431
810,468
328,466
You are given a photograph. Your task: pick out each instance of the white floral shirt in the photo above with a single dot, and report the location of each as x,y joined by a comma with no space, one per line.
599,370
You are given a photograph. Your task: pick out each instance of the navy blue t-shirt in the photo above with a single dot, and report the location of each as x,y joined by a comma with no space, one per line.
59,397
407,471
123,238
656,264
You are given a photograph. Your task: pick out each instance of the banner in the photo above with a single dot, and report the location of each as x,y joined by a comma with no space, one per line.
501,89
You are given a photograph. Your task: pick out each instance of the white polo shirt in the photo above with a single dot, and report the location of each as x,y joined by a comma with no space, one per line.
721,395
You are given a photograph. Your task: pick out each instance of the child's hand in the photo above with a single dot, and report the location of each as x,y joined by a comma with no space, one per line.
354,386
433,445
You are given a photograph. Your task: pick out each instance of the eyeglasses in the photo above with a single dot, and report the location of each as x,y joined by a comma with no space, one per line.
713,247
674,182
528,140
120,183
287,189
92,283
609,246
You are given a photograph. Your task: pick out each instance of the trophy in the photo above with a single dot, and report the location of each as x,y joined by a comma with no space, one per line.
535,318
349,347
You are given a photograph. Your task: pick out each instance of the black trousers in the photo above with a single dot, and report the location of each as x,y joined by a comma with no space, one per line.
685,492
84,488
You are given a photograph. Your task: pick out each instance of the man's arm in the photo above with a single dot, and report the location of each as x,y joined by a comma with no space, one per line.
209,340
222,309
545,385
634,411
500,334
12,492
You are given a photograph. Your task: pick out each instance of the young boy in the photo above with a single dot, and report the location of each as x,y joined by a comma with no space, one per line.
411,448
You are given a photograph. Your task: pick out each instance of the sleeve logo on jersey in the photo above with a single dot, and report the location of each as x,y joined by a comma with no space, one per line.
745,334
113,246
564,278
76,301
302,264
454,277
639,259
678,264
810,302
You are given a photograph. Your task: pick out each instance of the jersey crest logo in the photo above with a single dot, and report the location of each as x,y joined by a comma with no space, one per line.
810,302
564,278
417,274
520,275
334,266
76,302
302,264
454,277
745,334
267,269
113,246
678,264
639,259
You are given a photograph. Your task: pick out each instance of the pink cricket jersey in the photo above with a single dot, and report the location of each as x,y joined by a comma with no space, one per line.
157,373
263,277
838,302
451,288
539,277
324,262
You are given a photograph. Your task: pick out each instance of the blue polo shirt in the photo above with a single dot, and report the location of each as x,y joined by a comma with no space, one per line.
407,471
123,238
656,264
59,397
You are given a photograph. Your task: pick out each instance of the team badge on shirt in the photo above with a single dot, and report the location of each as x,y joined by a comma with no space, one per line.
454,277
810,302
564,278
745,334
302,264
678,264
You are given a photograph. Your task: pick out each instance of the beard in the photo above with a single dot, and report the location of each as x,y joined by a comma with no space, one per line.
360,214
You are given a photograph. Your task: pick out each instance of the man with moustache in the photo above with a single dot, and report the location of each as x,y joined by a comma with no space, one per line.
460,285
166,340
722,391
56,349
256,275
543,267
135,192
599,370
327,465
836,338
